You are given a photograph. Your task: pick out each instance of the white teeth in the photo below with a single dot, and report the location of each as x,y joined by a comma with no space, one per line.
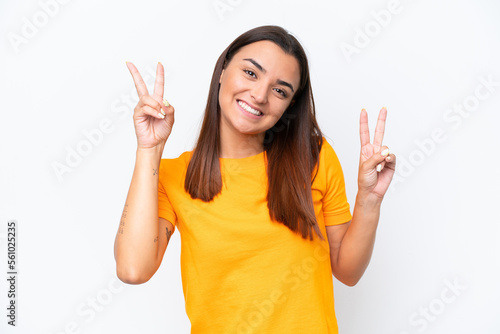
249,109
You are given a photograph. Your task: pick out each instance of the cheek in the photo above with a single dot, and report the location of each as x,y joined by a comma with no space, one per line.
224,93
234,83
226,90
279,108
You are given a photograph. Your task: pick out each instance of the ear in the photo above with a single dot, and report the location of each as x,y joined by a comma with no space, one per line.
292,103
221,73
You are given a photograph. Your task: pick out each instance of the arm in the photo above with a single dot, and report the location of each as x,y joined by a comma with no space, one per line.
351,244
142,237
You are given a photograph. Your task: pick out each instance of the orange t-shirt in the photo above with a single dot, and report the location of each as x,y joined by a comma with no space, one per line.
241,271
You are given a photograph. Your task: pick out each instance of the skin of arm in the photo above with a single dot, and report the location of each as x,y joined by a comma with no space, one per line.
142,237
351,244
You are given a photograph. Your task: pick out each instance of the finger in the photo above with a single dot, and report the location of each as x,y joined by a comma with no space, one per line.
169,113
168,110
391,157
378,159
164,108
364,132
159,82
147,100
386,155
380,166
147,110
379,129
140,86
391,160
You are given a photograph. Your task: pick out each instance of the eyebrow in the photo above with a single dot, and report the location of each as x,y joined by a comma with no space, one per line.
281,82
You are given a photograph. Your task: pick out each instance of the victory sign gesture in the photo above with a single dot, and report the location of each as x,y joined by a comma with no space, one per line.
376,163
153,115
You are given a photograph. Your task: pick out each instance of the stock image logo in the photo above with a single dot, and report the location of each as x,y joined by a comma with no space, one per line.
222,7
364,36
75,154
454,116
430,312
32,25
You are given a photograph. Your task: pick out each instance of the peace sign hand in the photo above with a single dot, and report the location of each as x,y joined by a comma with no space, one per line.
376,164
153,116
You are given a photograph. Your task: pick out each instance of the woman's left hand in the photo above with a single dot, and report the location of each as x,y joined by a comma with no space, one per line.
376,163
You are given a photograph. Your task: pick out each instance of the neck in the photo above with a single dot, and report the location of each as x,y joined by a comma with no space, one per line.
236,145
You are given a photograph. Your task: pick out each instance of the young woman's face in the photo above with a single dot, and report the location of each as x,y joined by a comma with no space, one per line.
257,87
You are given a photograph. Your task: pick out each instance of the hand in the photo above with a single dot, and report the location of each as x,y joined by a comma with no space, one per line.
153,116
371,181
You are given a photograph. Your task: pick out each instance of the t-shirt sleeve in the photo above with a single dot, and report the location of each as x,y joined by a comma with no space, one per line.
165,208
336,209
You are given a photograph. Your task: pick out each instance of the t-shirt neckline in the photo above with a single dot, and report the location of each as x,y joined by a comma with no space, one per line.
235,164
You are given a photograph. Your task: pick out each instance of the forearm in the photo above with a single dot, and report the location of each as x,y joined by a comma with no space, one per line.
356,247
136,243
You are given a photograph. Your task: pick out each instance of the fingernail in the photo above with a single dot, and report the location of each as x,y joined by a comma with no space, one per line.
161,115
379,167
385,152
162,112
165,102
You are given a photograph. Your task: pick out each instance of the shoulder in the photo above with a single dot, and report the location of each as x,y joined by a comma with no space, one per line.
175,166
327,153
182,159
329,167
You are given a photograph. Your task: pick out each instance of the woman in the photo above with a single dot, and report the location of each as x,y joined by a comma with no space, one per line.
260,202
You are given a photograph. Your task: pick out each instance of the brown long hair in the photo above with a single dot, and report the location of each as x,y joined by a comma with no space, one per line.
292,145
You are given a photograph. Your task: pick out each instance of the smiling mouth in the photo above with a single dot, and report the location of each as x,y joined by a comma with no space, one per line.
251,110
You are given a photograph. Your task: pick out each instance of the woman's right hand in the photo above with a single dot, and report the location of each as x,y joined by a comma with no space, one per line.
153,116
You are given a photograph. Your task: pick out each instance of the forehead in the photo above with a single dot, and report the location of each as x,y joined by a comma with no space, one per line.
272,58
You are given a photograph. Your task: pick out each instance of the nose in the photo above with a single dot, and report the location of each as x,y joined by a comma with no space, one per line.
259,93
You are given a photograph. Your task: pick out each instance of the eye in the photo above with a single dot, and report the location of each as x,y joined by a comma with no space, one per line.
250,73
281,92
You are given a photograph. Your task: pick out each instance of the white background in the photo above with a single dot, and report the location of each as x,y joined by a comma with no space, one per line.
63,72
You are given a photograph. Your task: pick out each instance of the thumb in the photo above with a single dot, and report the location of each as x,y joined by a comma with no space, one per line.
377,159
